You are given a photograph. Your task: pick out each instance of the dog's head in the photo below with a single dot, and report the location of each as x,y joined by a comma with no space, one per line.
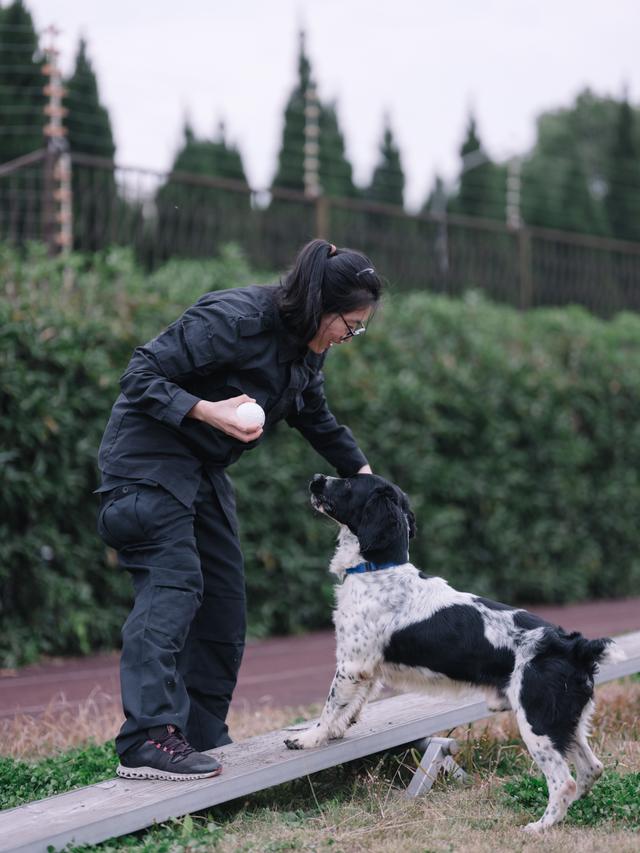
374,510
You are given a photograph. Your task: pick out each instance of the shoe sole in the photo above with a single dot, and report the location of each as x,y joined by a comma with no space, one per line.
152,773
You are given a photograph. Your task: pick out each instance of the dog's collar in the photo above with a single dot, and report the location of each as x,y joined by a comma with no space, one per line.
361,568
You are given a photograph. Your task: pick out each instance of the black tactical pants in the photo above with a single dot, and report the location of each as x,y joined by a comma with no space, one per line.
183,641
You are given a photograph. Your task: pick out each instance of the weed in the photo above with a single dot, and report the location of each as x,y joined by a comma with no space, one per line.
22,781
614,798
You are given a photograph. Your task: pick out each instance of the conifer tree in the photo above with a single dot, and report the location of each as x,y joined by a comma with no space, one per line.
577,209
336,173
88,122
480,192
387,181
290,171
623,178
586,130
97,211
22,120
22,97
193,218
216,157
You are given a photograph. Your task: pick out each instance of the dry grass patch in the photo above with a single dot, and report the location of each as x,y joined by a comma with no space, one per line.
63,725
449,819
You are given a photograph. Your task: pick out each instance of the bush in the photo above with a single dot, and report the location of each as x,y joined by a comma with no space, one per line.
517,437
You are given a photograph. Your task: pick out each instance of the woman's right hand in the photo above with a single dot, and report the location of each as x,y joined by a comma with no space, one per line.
222,416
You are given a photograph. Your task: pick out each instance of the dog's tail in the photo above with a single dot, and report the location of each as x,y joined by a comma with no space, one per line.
586,654
591,654
613,653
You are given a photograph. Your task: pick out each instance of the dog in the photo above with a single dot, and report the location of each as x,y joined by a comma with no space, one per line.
397,626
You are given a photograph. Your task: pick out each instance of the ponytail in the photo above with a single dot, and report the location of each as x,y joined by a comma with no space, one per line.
325,280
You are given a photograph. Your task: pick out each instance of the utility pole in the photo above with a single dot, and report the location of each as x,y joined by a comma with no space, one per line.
312,186
57,212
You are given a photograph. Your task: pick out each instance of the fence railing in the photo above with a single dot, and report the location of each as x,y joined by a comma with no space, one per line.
162,215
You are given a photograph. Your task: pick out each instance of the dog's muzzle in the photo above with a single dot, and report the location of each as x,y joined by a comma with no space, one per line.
317,484
317,487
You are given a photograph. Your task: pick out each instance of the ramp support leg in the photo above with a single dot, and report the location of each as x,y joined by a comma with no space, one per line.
438,754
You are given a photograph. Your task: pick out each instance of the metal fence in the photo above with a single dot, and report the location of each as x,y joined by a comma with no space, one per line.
162,215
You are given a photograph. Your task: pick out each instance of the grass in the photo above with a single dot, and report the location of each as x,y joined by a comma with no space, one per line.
358,806
615,798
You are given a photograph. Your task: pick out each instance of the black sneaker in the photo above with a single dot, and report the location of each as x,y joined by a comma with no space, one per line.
167,755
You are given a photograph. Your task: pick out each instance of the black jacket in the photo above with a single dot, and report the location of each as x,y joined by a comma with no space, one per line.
229,343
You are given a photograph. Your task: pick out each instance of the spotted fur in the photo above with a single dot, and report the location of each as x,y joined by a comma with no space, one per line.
413,631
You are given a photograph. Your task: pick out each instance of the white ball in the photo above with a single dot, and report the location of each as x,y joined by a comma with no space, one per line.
250,415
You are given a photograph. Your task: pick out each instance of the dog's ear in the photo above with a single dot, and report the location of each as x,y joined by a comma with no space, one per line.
412,524
382,520
410,516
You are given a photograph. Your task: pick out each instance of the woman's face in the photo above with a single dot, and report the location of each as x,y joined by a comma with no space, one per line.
335,328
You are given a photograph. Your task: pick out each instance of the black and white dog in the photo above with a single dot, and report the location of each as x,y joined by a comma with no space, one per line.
397,626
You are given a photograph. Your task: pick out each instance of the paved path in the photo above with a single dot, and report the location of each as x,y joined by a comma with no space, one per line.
283,671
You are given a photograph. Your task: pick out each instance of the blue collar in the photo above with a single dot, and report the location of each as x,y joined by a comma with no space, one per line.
361,568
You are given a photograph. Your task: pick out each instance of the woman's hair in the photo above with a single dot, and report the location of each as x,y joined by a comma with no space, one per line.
325,280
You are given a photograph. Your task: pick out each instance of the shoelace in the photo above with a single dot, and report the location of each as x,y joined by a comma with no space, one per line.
175,743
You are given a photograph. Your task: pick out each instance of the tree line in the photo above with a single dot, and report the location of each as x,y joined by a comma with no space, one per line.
582,173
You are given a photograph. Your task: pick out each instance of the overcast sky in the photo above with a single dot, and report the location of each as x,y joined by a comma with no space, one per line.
424,62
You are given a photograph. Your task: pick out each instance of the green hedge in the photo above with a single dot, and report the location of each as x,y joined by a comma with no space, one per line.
517,437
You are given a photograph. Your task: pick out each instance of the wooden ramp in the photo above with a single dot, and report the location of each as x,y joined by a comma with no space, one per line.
119,806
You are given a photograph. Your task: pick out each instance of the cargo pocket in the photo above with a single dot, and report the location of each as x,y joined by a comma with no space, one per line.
198,341
118,522
171,613
157,510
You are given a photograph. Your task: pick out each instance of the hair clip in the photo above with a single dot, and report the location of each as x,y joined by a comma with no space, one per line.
366,269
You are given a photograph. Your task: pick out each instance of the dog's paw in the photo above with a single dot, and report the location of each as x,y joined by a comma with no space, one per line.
534,828
307,739
499,704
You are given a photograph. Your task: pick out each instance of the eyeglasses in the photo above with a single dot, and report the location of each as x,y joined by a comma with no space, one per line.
352,332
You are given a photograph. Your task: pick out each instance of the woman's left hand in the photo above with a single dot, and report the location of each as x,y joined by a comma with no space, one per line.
366,469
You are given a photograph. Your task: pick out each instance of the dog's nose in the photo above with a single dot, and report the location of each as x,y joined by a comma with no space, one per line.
317,483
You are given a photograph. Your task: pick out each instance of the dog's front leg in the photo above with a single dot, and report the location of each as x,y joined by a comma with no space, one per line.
349,692
367,695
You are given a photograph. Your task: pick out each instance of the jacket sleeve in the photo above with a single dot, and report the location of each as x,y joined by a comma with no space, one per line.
321,429
199,342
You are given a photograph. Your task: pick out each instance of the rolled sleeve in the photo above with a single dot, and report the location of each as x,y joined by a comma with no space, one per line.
319,426
196,344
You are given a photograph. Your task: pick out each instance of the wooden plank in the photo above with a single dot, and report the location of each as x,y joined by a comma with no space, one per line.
119,806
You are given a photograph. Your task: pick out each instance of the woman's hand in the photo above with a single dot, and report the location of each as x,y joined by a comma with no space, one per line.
222,416
366,469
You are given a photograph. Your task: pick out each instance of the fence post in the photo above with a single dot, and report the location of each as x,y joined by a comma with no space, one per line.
64,197
56,205
322,216
525,272
48,200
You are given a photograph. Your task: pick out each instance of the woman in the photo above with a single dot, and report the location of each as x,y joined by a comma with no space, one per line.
167,505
